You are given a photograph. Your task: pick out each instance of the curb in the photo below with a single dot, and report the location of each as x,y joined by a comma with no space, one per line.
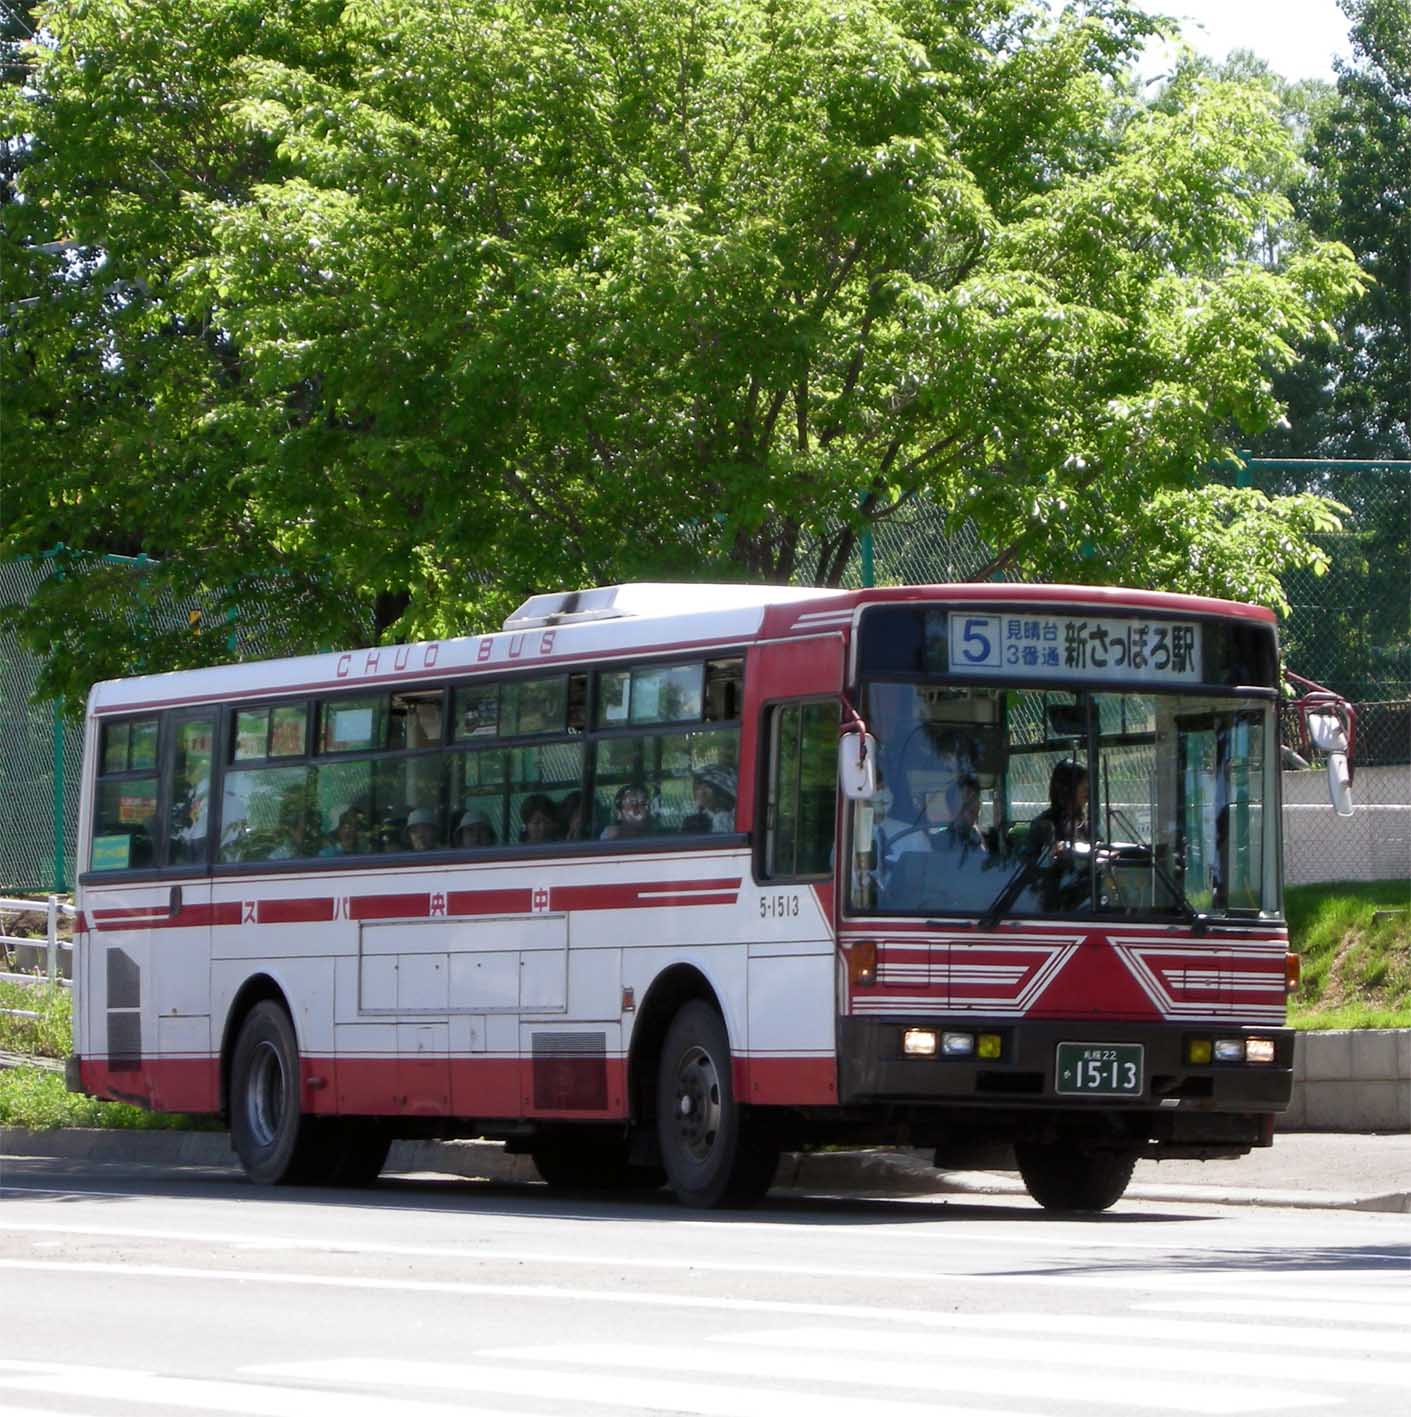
873,1173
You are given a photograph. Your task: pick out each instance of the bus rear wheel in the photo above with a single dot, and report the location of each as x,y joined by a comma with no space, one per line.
711,1155
273,1139
1061,1177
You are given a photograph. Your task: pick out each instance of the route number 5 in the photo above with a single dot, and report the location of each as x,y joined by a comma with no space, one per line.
975,641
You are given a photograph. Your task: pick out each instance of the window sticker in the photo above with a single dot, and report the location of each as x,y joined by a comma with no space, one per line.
111,853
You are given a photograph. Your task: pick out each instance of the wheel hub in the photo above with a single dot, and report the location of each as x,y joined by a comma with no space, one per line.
698,1103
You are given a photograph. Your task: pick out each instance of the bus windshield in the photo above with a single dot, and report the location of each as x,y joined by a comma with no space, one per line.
1002,801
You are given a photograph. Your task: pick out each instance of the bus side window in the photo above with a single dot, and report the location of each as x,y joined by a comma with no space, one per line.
125,826
189,812
803,788
661,784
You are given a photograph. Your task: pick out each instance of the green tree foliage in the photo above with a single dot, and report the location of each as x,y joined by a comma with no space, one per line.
385,311
1350,398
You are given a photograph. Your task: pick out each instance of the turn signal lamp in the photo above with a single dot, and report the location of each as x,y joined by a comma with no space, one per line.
1259,1050
957,1045
862,962
1229,1050
1198,1050
991,1045
1293,972
919,1043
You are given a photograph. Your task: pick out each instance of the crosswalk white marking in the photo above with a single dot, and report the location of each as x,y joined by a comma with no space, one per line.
622,1393
1171,1333
1316,1306
1367,1307
214,1395
1025,1382
1041,1362
1086,1353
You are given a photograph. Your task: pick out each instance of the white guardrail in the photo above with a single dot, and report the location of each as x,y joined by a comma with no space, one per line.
51,909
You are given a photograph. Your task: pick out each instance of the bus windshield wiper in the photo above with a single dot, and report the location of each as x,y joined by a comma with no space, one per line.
1026,872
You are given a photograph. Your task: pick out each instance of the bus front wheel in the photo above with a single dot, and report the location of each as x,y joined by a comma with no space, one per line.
1061,1177
711,1155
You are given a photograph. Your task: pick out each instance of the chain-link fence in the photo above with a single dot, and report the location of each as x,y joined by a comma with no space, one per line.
41,748
40,760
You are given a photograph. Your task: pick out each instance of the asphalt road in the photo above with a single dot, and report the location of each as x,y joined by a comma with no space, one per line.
151,1290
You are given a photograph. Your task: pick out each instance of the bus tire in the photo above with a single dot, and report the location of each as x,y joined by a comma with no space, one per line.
710,1156
273,1139
592,1164
1061,1177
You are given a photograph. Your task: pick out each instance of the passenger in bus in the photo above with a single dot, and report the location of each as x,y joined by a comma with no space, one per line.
713,789
571,825
421,829
350,835
1066,819
631,813
474,828
540,818
1058,839
292,828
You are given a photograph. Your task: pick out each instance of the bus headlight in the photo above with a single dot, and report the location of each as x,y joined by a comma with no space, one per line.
1259,1050
1229,1050
957,1045
919,1043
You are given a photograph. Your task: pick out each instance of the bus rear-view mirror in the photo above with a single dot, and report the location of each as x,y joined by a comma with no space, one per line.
1329,736
857,766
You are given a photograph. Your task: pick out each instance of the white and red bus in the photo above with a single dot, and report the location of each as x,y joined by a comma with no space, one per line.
664,879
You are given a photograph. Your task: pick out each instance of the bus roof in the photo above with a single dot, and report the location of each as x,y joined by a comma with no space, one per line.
560,628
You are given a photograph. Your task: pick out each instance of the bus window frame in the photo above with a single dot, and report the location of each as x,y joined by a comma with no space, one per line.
225,713
769,715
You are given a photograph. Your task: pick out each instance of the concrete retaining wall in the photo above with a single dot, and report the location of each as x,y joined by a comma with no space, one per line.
1373,845
1351,1081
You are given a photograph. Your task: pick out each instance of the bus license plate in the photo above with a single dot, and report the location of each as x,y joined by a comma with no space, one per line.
1100,1070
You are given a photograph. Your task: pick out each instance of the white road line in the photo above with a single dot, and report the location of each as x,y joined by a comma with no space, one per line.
623,1393
943,1228
1335,1310
213,1395
287,1243
1102,1356
50,1412
1365,1312
1207,1337
1017,1378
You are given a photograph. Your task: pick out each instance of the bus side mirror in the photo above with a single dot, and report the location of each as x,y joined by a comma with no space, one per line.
1330,737
857,766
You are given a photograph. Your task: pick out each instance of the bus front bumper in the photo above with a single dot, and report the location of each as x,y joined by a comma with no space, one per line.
875,1066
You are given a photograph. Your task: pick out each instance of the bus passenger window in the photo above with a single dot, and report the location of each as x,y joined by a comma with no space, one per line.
193,751
666,783
267,814
125,825
415,720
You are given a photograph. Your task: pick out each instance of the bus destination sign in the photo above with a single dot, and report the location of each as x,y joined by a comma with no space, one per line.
1039,646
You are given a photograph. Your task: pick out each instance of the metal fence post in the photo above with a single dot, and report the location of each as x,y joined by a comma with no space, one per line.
52,930
58,824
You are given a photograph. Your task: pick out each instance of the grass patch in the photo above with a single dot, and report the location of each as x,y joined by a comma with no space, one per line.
48,1036
37,1099
1355,940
